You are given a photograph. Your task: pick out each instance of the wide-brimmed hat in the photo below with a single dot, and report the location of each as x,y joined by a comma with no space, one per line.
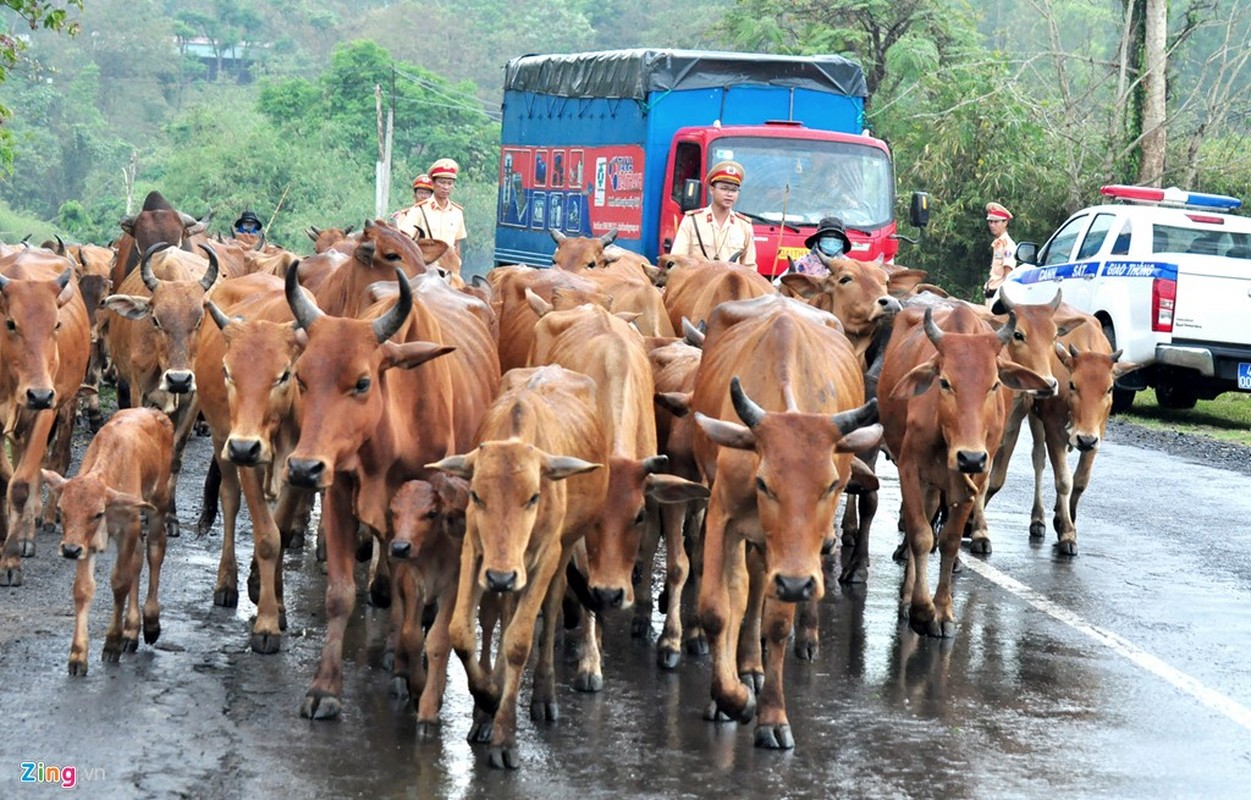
443,168
247,216
996,211
423,181
829,226
726,172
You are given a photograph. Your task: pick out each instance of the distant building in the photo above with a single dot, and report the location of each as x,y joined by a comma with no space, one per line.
236,60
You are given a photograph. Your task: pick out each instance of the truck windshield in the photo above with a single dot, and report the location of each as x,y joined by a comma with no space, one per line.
851,181
1174,239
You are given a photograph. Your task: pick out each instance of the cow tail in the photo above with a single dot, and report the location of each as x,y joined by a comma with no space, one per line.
208,505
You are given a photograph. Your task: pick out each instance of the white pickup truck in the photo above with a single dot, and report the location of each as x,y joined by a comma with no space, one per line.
1168,273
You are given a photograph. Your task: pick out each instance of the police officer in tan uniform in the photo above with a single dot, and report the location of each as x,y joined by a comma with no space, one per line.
1002,248
441,218
717,232
408,219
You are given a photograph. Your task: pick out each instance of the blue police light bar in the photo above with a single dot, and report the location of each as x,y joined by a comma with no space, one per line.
1171,196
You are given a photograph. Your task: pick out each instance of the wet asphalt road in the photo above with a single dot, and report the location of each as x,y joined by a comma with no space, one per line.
1125,672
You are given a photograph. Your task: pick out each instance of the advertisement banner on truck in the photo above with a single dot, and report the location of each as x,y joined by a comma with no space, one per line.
581,191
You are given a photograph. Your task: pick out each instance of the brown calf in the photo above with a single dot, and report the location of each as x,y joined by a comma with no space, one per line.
125,469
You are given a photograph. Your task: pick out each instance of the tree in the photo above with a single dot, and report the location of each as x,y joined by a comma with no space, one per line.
38,14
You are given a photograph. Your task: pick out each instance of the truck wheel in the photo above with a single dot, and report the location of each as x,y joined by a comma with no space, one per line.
1122,399
1170,395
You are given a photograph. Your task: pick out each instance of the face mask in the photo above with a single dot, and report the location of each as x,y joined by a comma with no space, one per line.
830,246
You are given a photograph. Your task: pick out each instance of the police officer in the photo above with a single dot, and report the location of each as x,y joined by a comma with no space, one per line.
717,232
438,216
408,219
1002,248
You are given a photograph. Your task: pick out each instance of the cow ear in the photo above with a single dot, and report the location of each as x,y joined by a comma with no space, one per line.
453,490
903,281
1123,368
411,354
460,466
431,249
54,480
1022,379
665,488
537,304
917,381
629,316
726,434
676,403
124,501
801,285
863,479
654,274
1069,324
129,306
860,439
557,468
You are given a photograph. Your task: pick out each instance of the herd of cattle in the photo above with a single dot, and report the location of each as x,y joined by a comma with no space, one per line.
516,449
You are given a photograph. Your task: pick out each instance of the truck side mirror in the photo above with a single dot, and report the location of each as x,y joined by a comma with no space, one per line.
691,195
1027,253
919,214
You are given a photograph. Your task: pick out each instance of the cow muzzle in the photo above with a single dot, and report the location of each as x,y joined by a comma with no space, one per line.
71,551
606,598
970,461
793,589
40,399
244,452
178,381
1084,443
306,473
501,581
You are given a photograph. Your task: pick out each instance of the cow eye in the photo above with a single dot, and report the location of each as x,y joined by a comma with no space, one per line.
641,516
1018,336
829,490
845,280
284,377
97,516
944,384
362,385
533,501
761,486
1072,386
392,257
226,373
431,514
995,387
156,323
477,501
10,324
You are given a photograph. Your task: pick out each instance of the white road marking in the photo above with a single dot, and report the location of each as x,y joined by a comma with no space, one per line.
1209,697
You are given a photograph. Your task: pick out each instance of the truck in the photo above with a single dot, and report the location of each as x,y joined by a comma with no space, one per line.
1167,272
619,140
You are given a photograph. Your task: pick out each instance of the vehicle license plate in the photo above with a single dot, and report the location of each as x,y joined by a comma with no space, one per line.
1244,376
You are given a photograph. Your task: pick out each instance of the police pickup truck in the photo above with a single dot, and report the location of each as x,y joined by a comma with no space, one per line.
1168,273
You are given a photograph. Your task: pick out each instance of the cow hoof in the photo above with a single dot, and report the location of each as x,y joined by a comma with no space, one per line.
544,711
11,576
1067,547
112,652
980,545
806,649
668,658
697,646
504,757
775,737
714,714
388,660
282,620
855,574
957,566
588,682
254,587
399,688
266,643
130,645
640,626
173,528
77,668
380,594
226,597
427,730
901,553
201,428
480,732
26,548
320,550
320,705
151,630
752,680
1037,530
296,541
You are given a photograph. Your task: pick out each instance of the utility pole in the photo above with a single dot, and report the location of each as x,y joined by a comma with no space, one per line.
382,168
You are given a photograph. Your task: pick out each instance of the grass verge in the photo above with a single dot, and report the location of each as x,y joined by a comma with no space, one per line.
1227,418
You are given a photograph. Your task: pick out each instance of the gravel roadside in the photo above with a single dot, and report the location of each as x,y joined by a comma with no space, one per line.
1191,447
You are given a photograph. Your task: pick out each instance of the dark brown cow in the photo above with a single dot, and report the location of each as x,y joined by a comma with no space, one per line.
374,412
44,348
788,372
578,253
536,488
158,221
378,252
93,266
125,469
944,394
698,287
590,340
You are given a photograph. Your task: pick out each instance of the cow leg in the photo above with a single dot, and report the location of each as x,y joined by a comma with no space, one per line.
515,652
380,574
773,729
722,603
1017,412
943,625
293,512
322,699
266,557
184,417
226,590
694,642
750,658
23,500
437,651
91,397
919,504
58,460
464,641
156,558
1081,479
84,591
407,676
644,569
677,567
123,636
856,567
590,677
1057,450
543,697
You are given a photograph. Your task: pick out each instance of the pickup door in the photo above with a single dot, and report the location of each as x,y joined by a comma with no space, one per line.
1213,300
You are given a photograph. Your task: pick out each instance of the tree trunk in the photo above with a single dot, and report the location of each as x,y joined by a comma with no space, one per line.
1154,85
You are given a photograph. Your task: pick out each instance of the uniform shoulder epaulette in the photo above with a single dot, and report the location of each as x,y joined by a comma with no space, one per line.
694,211
743,218
456,205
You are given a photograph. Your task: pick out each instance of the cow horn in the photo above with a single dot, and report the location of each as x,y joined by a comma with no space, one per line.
691,334
608,238
1055,301
556,235
305,310
4,283
933,331
1003,303
1005,333
734,258
316,230
145,266
216,313
826,260
210,275
856,418
1073,351
390,322
348,229
655,464
188,221
63,279
260,242
60,245
744,406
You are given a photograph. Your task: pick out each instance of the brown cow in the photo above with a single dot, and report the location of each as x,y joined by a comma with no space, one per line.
536,487
776,481
93,265
326,238
44,349
517,317
698,287
379,250
125,469
158,221
590,340
374,412
578,253
944,393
